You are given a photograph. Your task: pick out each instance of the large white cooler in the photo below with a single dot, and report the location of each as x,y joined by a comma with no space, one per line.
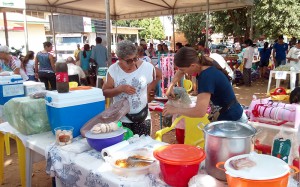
10,87
32,86
74,108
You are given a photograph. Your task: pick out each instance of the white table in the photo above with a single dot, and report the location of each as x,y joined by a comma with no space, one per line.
35,146
35,151
292,75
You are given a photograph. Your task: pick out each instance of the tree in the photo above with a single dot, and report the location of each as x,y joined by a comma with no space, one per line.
270,18
192,26
274,17
152,27
232,22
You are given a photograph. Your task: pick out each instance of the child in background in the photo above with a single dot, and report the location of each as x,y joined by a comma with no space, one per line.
28,65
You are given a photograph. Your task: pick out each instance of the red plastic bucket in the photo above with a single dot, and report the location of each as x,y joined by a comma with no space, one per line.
179,163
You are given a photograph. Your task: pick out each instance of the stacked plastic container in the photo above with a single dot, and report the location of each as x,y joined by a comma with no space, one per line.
32,86
10,87
74,108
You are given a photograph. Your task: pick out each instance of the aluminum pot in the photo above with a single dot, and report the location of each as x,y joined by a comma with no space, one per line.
223,140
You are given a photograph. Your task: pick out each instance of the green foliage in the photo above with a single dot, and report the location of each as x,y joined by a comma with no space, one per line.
152,27
274,17
191,25
270,18
232,22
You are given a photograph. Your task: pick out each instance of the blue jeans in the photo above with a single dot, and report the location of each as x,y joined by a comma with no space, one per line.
280,62
31,78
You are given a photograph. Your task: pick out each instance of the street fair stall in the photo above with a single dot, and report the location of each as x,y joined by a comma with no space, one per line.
166,63
280,73
85,145
278,124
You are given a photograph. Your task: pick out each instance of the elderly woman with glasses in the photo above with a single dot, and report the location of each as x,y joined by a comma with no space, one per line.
131,78
9,62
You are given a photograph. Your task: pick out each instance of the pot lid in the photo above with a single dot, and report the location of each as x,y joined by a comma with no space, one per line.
179,154
229,129
267,167
113,134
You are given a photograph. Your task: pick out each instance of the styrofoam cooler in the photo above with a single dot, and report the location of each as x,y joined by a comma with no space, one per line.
10,87
32,86
74,108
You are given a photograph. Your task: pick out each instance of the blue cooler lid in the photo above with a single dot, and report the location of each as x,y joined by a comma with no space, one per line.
11,79
113,134
73,98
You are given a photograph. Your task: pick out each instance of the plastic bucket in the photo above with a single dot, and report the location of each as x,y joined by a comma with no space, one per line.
179,163
178,175
240,182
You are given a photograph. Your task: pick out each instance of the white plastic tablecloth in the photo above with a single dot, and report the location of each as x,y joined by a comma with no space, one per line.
89,169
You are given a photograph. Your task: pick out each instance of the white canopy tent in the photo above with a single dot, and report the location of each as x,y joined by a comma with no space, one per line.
132,9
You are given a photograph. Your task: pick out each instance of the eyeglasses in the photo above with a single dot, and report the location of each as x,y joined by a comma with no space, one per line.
129,61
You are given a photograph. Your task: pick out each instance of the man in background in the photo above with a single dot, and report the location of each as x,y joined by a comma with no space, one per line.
202,49
76,52
75,72
99,54
279,52
98,57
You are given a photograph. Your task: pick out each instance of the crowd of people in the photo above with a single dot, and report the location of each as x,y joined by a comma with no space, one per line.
134,75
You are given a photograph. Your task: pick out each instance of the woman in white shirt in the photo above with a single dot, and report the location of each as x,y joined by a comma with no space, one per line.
248,60
131,78
28,65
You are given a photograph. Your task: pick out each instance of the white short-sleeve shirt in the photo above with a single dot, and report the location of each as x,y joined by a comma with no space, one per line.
139,79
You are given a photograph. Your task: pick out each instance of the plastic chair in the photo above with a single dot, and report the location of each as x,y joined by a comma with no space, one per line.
21,156
193,135
188,85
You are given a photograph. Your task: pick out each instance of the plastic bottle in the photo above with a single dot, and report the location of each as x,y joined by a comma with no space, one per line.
62,79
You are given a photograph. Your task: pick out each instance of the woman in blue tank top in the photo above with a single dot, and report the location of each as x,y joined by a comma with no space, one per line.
45,67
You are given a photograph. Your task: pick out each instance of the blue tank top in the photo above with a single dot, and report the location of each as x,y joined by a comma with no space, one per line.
44,62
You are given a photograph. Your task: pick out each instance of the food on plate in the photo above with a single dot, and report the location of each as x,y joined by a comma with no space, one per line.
122,163
242,163
104,128
125,163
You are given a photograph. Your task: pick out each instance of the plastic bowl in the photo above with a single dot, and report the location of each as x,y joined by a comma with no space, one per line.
179,163
64,135
101,141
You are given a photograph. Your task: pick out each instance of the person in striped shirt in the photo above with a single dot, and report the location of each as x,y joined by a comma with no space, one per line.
9,62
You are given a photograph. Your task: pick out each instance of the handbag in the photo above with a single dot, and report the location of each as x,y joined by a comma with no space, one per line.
138,117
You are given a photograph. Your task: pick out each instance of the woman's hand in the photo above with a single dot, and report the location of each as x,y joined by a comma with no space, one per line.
36,75
169,109
130,90
170,93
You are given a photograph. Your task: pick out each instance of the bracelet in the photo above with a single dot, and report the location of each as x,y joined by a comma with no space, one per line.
271,112
282,115
276,113
263,114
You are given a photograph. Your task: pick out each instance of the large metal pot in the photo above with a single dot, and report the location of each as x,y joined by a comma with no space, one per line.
223,140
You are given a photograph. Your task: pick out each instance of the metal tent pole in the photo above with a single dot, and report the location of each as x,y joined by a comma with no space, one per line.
25,30
53,33
5,28
251,24
108,31
207,23
173,31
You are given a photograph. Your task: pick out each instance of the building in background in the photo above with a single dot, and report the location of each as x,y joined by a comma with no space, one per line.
16,36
